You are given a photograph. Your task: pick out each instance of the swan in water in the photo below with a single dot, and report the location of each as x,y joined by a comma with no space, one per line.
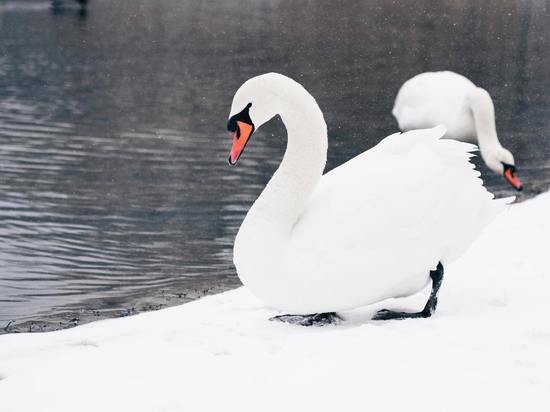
433,98
381,225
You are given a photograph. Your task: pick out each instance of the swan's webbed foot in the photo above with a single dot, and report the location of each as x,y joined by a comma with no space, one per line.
429,309
315,319
386,314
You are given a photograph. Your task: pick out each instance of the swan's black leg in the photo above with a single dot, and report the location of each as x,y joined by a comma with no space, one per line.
315,319
429,309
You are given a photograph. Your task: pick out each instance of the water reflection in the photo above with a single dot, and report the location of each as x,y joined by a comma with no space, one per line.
112,142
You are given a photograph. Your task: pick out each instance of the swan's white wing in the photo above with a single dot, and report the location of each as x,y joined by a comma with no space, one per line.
384,219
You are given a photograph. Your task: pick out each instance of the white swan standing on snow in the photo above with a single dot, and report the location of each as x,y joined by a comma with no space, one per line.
379,226
450,99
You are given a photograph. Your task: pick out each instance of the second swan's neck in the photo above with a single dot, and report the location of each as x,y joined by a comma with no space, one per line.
484,117
286,194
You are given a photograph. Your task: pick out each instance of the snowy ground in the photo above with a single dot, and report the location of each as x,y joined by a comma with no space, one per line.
487,347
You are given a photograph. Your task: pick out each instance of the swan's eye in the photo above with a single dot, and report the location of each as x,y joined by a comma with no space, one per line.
241,126
511,168
242,116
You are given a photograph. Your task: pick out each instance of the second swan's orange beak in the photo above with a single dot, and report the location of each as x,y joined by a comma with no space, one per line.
511,177
242,133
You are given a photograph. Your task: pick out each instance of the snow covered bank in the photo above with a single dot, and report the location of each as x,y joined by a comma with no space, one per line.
487,347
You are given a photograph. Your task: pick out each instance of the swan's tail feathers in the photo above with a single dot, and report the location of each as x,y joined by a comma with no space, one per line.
488,209
503,202
507,200
496,206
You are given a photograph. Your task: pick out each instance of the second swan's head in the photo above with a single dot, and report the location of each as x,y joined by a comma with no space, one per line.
501,161
256,102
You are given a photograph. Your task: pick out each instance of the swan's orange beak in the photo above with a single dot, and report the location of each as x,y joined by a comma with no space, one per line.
242,133
511,177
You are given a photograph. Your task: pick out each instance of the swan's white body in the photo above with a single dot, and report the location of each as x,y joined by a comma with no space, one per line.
450,99
370,229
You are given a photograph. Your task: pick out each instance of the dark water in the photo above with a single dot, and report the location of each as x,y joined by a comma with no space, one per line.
116,194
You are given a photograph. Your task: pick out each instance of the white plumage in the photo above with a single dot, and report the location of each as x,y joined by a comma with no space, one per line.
437,98
370,229
467,111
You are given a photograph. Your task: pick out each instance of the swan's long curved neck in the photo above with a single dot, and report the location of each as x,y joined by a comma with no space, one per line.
484,117
286,194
